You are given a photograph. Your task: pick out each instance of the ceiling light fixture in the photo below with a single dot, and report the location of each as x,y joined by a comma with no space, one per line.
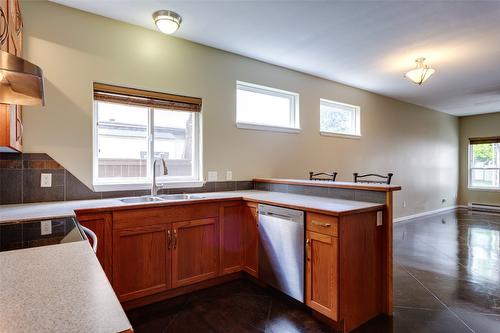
421,72
167,21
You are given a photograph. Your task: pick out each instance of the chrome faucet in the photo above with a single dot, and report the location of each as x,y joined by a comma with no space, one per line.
154,186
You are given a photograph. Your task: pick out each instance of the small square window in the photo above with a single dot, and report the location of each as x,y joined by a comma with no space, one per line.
264,108
339,119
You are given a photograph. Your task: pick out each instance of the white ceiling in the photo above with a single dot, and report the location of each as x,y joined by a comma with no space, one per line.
365,44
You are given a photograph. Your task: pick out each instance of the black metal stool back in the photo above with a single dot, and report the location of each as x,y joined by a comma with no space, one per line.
323,176
369,178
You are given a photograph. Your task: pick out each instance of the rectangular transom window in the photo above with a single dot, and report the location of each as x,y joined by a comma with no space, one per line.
264,108
339,119
134,127
484,163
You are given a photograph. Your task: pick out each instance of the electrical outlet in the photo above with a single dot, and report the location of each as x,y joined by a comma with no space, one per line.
212,176
46,180
443,201
379,218
404,203
229,175
45,227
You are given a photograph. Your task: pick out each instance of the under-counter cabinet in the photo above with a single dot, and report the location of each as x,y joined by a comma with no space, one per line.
251,238
195,251
101,225
141,261
231,237
344,267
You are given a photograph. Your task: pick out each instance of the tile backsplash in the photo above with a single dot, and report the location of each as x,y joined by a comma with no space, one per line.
20,182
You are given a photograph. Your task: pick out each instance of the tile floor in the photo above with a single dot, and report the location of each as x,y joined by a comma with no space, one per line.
446,279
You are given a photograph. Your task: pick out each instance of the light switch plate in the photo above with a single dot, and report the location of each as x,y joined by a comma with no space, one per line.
46,180
229,175
45,227
212,176
379,218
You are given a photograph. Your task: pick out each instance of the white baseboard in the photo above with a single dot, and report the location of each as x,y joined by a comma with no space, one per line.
440,210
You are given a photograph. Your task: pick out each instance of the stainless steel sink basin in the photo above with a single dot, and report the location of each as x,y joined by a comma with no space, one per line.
181,196
142,199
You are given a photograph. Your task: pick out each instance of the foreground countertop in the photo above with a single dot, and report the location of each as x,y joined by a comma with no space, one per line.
57,288
305,202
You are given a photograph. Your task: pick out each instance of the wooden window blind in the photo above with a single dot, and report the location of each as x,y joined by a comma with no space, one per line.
157,100
479,141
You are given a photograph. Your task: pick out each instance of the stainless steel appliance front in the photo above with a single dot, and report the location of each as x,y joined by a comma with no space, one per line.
281,254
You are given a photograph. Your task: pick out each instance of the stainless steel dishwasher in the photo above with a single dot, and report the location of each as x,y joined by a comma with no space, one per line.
281,254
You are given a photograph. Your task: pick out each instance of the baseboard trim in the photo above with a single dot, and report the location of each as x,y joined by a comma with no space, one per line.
431,212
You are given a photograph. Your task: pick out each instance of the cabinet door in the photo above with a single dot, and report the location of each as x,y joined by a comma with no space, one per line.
141,262
100,224
322,273
15,28
195,254
251,239
4,25
231,243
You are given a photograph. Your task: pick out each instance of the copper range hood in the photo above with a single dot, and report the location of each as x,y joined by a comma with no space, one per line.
21,82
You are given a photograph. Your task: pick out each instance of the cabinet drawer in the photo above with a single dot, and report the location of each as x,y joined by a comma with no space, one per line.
322,224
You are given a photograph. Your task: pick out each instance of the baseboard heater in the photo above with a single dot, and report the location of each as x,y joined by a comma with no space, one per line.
484,207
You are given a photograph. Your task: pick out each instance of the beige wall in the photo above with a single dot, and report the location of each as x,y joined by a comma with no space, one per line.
75,48
473,127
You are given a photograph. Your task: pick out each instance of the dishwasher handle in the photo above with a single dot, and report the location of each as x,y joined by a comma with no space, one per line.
281,216
90,234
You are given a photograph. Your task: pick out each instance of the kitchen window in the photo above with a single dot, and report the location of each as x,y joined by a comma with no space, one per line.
484,163
339,119
265,108
133,127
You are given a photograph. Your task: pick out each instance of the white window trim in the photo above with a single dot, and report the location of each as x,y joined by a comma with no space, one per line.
123,184
294,113
469,175
357,120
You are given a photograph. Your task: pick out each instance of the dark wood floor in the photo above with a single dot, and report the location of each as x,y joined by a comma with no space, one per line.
447,279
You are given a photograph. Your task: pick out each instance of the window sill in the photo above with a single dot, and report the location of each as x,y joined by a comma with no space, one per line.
259,127
339,135
483,189
107,187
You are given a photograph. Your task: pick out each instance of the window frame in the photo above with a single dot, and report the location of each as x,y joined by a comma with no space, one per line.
294,112
470,169
109,184
357,119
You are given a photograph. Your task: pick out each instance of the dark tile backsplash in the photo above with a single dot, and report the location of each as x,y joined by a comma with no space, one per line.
20,182
329,192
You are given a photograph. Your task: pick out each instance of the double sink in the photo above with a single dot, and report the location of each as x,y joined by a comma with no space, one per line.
163,197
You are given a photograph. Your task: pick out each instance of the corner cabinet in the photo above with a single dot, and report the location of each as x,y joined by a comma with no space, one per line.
11,29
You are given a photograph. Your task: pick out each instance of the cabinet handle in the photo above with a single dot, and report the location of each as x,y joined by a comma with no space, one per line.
169,239
308,249
175,238
324,225
19,134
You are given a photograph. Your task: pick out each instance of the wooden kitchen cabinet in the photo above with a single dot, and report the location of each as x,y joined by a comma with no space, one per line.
231,237
141,261
322,273
195,251
251,238
11,26
4,25
344,267
101,225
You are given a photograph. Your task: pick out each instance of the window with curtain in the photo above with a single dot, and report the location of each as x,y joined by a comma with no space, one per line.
484,163
134,127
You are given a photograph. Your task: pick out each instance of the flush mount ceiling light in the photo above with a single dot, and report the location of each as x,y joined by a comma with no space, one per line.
167,21
421,72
